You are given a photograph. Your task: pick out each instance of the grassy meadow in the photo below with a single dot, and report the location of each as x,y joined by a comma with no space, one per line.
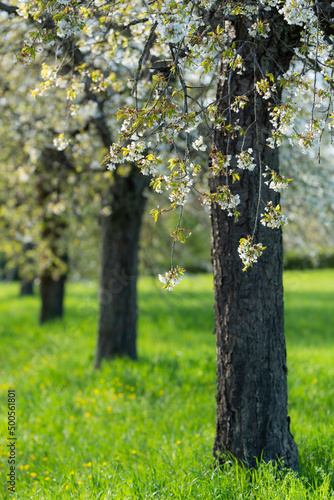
144,430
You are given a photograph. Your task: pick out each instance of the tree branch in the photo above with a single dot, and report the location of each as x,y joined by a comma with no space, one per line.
11,9
326,16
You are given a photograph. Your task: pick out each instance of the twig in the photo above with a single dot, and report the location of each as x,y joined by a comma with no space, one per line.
141,60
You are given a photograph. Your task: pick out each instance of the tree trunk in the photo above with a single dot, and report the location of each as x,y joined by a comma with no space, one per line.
26,275
27,288
53,164
52,287
252,418
118,285
52,295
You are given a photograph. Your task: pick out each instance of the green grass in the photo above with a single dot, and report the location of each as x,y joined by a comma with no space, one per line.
144,430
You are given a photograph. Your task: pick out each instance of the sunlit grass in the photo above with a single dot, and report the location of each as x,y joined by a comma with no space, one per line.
144,430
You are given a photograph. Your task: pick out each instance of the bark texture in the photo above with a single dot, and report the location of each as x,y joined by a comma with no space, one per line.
118,284
252,417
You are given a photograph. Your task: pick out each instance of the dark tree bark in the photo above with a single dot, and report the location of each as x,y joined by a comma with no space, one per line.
27,288
52,294
52,291
53,164
252,417
118,285
27,283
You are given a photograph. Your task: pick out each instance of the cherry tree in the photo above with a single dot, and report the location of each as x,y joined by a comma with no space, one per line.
42,186
38,192
65,152
251,47
309,202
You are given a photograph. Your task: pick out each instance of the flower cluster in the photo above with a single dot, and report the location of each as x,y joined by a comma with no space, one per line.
249,252
227,201
296,12
133,152
193,122
276,182
199,144
70,26
172,278
219,162
113,159
273,217
57,208
74,89
282,120
180,189
61,142
174,20
310,137
245,160
239,103
224,198
149,164
260,28
264,88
